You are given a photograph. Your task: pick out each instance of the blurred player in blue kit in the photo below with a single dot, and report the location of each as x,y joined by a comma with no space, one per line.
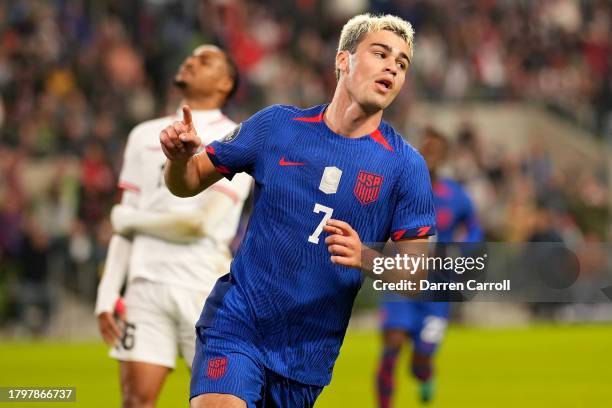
327,179
424,322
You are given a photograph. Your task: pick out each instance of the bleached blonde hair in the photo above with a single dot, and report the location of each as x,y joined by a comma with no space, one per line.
357,27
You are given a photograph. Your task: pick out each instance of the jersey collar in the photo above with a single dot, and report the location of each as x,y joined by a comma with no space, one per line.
376,135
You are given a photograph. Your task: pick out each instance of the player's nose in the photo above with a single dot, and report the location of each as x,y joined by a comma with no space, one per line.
189,61
391,66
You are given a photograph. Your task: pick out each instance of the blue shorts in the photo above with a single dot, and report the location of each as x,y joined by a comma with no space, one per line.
228,366
425,322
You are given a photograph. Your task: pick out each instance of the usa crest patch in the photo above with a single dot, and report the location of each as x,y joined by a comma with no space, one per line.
367,187
217,367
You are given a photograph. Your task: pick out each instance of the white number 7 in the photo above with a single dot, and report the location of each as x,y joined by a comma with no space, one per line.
314,238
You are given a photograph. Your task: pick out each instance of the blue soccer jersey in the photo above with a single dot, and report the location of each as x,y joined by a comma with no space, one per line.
284,299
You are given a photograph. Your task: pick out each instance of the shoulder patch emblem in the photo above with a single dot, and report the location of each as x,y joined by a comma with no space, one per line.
232,135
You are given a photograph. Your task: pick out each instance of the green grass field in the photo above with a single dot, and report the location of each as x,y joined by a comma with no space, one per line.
543,366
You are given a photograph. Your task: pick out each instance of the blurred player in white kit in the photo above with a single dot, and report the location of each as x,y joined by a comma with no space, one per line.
165,293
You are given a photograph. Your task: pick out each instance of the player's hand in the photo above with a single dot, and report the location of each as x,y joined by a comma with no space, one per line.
179,141
107,324
108,328
343,243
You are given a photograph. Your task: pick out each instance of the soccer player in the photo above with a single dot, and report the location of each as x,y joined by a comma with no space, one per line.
424,322
327,179
174,249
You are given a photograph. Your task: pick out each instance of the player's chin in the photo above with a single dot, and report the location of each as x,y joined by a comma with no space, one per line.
376,103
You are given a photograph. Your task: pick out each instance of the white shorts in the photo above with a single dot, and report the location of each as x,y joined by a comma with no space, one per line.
160,323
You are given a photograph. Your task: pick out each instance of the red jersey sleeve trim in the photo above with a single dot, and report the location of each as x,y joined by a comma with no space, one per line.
124,185
418,232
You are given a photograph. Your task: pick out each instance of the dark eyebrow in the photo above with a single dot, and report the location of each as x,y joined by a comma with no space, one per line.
390,50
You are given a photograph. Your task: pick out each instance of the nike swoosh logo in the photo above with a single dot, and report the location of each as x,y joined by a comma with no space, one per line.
282,162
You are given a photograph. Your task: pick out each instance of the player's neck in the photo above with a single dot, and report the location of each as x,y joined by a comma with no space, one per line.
346,117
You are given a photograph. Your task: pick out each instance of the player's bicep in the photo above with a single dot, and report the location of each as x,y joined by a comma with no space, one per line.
408,246
412,246
208,174
414,215
239,151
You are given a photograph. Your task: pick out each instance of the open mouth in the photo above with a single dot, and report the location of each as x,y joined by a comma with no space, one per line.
387,84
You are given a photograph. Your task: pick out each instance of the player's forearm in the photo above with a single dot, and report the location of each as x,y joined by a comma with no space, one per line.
370,260
347,249
189,226
188,178
179,231
115,272
182,177
178,226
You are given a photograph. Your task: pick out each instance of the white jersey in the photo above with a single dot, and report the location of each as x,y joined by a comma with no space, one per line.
196,265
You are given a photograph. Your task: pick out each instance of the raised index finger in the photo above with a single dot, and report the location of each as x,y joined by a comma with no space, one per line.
186,115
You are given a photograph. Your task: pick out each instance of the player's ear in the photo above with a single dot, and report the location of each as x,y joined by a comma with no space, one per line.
342,61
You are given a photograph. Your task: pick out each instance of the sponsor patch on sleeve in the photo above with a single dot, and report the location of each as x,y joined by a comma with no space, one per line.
232,135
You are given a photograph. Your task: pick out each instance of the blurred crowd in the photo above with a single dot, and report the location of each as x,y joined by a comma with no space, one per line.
523,197
77,75
552,52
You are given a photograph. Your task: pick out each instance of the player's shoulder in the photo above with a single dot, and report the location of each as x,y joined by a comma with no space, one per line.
400,146
294,112
280,115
